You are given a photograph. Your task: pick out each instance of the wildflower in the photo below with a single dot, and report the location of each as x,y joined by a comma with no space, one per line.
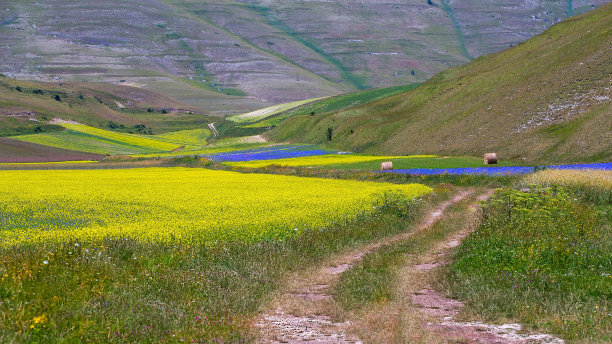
41,319
45,262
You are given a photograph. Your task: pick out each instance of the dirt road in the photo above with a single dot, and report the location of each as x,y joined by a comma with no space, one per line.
305,312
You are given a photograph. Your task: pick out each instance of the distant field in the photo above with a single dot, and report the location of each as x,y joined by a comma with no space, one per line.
14,151
93,140
584,178
194,137
221,146
367,162
175,204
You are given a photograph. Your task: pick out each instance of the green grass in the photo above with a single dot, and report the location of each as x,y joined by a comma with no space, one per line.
373,279
500,103
437,162
542,258
125,291
467,180
25,129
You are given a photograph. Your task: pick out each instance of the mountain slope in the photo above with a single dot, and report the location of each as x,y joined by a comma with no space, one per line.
548,99
232,56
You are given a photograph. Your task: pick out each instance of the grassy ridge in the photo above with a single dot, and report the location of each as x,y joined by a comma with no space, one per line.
264,113
333,103
547,99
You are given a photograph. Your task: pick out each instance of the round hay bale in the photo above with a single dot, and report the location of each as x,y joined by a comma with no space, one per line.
386,166
490,158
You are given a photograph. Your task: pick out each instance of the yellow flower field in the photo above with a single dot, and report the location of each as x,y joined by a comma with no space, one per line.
137,140
322,160
175,204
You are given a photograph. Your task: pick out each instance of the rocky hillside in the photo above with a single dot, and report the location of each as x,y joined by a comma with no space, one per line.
231,56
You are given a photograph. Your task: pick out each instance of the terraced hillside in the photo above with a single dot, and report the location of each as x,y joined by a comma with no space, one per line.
549,99
232,56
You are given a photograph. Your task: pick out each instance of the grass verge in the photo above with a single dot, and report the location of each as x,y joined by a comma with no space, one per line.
542,258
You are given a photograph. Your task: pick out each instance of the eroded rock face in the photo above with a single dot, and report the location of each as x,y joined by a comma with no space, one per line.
271,50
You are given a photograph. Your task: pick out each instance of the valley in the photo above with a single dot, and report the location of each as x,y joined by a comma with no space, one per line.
264,171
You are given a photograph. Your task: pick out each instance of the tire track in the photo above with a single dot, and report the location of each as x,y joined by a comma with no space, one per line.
305,313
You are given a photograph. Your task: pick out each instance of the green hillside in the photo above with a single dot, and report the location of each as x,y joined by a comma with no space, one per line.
273,115
548,99
342,101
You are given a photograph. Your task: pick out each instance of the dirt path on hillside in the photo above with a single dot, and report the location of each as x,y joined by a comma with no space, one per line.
304,311
213,129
